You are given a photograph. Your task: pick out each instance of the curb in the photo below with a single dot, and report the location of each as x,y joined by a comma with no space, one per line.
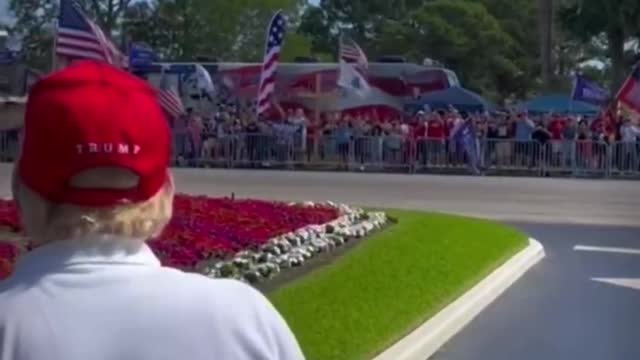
424,341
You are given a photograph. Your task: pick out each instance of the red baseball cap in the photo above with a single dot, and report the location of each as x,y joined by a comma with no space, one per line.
92,115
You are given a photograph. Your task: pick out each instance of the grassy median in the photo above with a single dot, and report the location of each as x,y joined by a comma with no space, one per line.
392,282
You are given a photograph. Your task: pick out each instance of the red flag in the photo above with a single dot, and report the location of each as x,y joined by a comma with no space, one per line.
629,93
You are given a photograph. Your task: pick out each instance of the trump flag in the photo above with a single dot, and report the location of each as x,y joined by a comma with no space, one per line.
588,91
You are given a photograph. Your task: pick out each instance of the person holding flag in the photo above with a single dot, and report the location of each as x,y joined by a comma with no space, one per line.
464,135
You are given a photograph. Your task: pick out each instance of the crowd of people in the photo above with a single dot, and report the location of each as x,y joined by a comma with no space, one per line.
422,137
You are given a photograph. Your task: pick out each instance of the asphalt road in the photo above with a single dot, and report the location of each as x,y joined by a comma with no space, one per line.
555,311
575,201
503,198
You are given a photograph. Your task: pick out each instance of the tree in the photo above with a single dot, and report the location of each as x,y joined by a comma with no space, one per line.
545,24
617,21
465,37
518,19
184,29
35,23
177,29
108,13
362,20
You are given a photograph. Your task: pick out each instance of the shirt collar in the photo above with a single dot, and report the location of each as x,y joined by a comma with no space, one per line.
103,250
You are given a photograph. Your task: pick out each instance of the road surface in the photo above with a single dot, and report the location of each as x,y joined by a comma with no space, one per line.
578,201
557,310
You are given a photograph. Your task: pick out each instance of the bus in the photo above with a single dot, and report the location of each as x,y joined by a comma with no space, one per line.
311,86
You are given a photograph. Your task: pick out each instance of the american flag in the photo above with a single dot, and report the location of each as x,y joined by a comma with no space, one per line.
629,93
80,38
352,53
275,39
169,98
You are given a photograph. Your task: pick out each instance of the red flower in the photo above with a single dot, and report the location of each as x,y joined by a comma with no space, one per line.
204,227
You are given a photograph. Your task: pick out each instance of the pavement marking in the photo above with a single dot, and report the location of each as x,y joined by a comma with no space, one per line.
630,283
607,249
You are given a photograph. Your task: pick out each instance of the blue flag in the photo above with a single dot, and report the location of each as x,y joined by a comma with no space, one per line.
465,136
588,91
141,55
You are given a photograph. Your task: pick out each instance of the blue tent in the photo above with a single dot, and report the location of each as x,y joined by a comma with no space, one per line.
460,98
559,103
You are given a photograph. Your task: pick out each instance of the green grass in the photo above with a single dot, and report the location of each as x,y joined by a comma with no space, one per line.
392,282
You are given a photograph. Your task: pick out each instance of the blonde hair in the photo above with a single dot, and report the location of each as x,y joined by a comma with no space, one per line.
46,221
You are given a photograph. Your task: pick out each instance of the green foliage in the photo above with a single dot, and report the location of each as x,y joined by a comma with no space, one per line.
465,37
489,43
177,29
34,21
295,45
618,21
184,29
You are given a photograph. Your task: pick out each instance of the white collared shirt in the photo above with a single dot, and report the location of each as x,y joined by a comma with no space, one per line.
67,301
629,133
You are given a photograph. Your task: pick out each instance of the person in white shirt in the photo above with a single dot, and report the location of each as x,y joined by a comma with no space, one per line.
630,131
628,146
299,119
92,185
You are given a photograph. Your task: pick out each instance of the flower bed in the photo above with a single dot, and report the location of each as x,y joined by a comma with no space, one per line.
245,239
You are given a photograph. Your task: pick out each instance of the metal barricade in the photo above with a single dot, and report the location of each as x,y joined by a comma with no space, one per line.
590,158
394,153
436,154
369,153
397,152
332,152
247,150
512,157
625,159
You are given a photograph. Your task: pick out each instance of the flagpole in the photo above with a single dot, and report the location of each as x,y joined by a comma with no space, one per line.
573,93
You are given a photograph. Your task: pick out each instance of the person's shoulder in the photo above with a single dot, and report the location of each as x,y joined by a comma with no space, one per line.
221,291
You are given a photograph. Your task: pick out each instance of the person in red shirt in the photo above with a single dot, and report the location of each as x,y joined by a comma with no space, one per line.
556,128
418,134
436,128
436,135
419,128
